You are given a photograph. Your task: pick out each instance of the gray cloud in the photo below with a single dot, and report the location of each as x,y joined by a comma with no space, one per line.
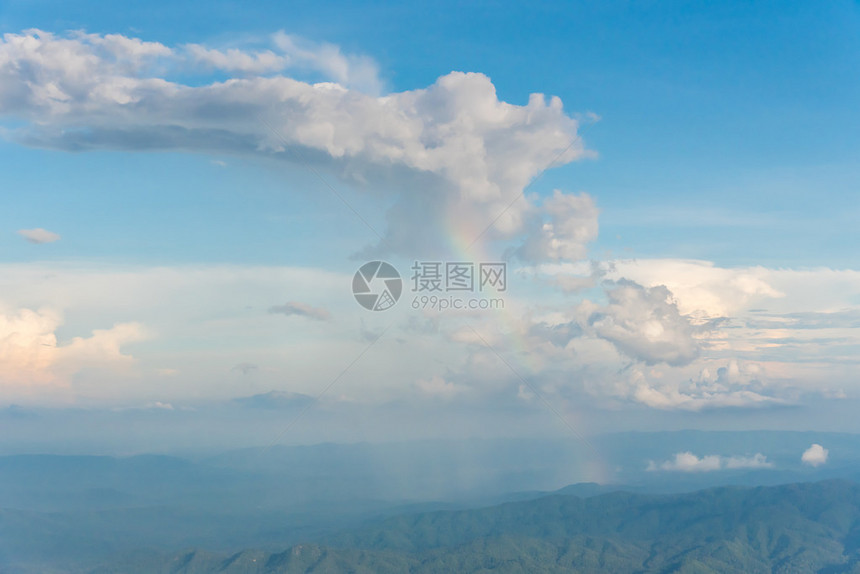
39,235
245,368
368,334
293,308
559,335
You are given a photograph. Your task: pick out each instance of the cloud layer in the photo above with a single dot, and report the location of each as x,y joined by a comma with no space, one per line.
452,163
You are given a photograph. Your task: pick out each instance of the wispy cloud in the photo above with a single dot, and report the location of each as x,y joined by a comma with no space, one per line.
246,368
39,235
275,400
294,308
291,52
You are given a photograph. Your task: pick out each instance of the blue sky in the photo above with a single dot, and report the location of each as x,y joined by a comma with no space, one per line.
694,251
717,118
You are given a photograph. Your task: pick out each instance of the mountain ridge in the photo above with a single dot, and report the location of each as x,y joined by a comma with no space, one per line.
797,528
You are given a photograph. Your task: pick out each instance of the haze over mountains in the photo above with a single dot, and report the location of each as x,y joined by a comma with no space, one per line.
76,513
794,528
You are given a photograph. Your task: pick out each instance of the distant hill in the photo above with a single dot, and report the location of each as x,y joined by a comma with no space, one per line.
70,513
799,528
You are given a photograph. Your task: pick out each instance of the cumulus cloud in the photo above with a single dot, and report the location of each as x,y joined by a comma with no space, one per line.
470,153
700,287
689,462
731,386
645,324
30,354
816,455
38,235
28,346
291,308
103,346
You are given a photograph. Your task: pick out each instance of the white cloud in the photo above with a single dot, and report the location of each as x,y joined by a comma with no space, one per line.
645,324
641,348
102,347
350,70
201,321
235,60
38,235
28,346
702,288
470,153
669,391
207,319
31,356
689,462
291,52
815,455
570,225
733,337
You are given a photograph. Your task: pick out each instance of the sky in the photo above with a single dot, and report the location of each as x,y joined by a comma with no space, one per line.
190,188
